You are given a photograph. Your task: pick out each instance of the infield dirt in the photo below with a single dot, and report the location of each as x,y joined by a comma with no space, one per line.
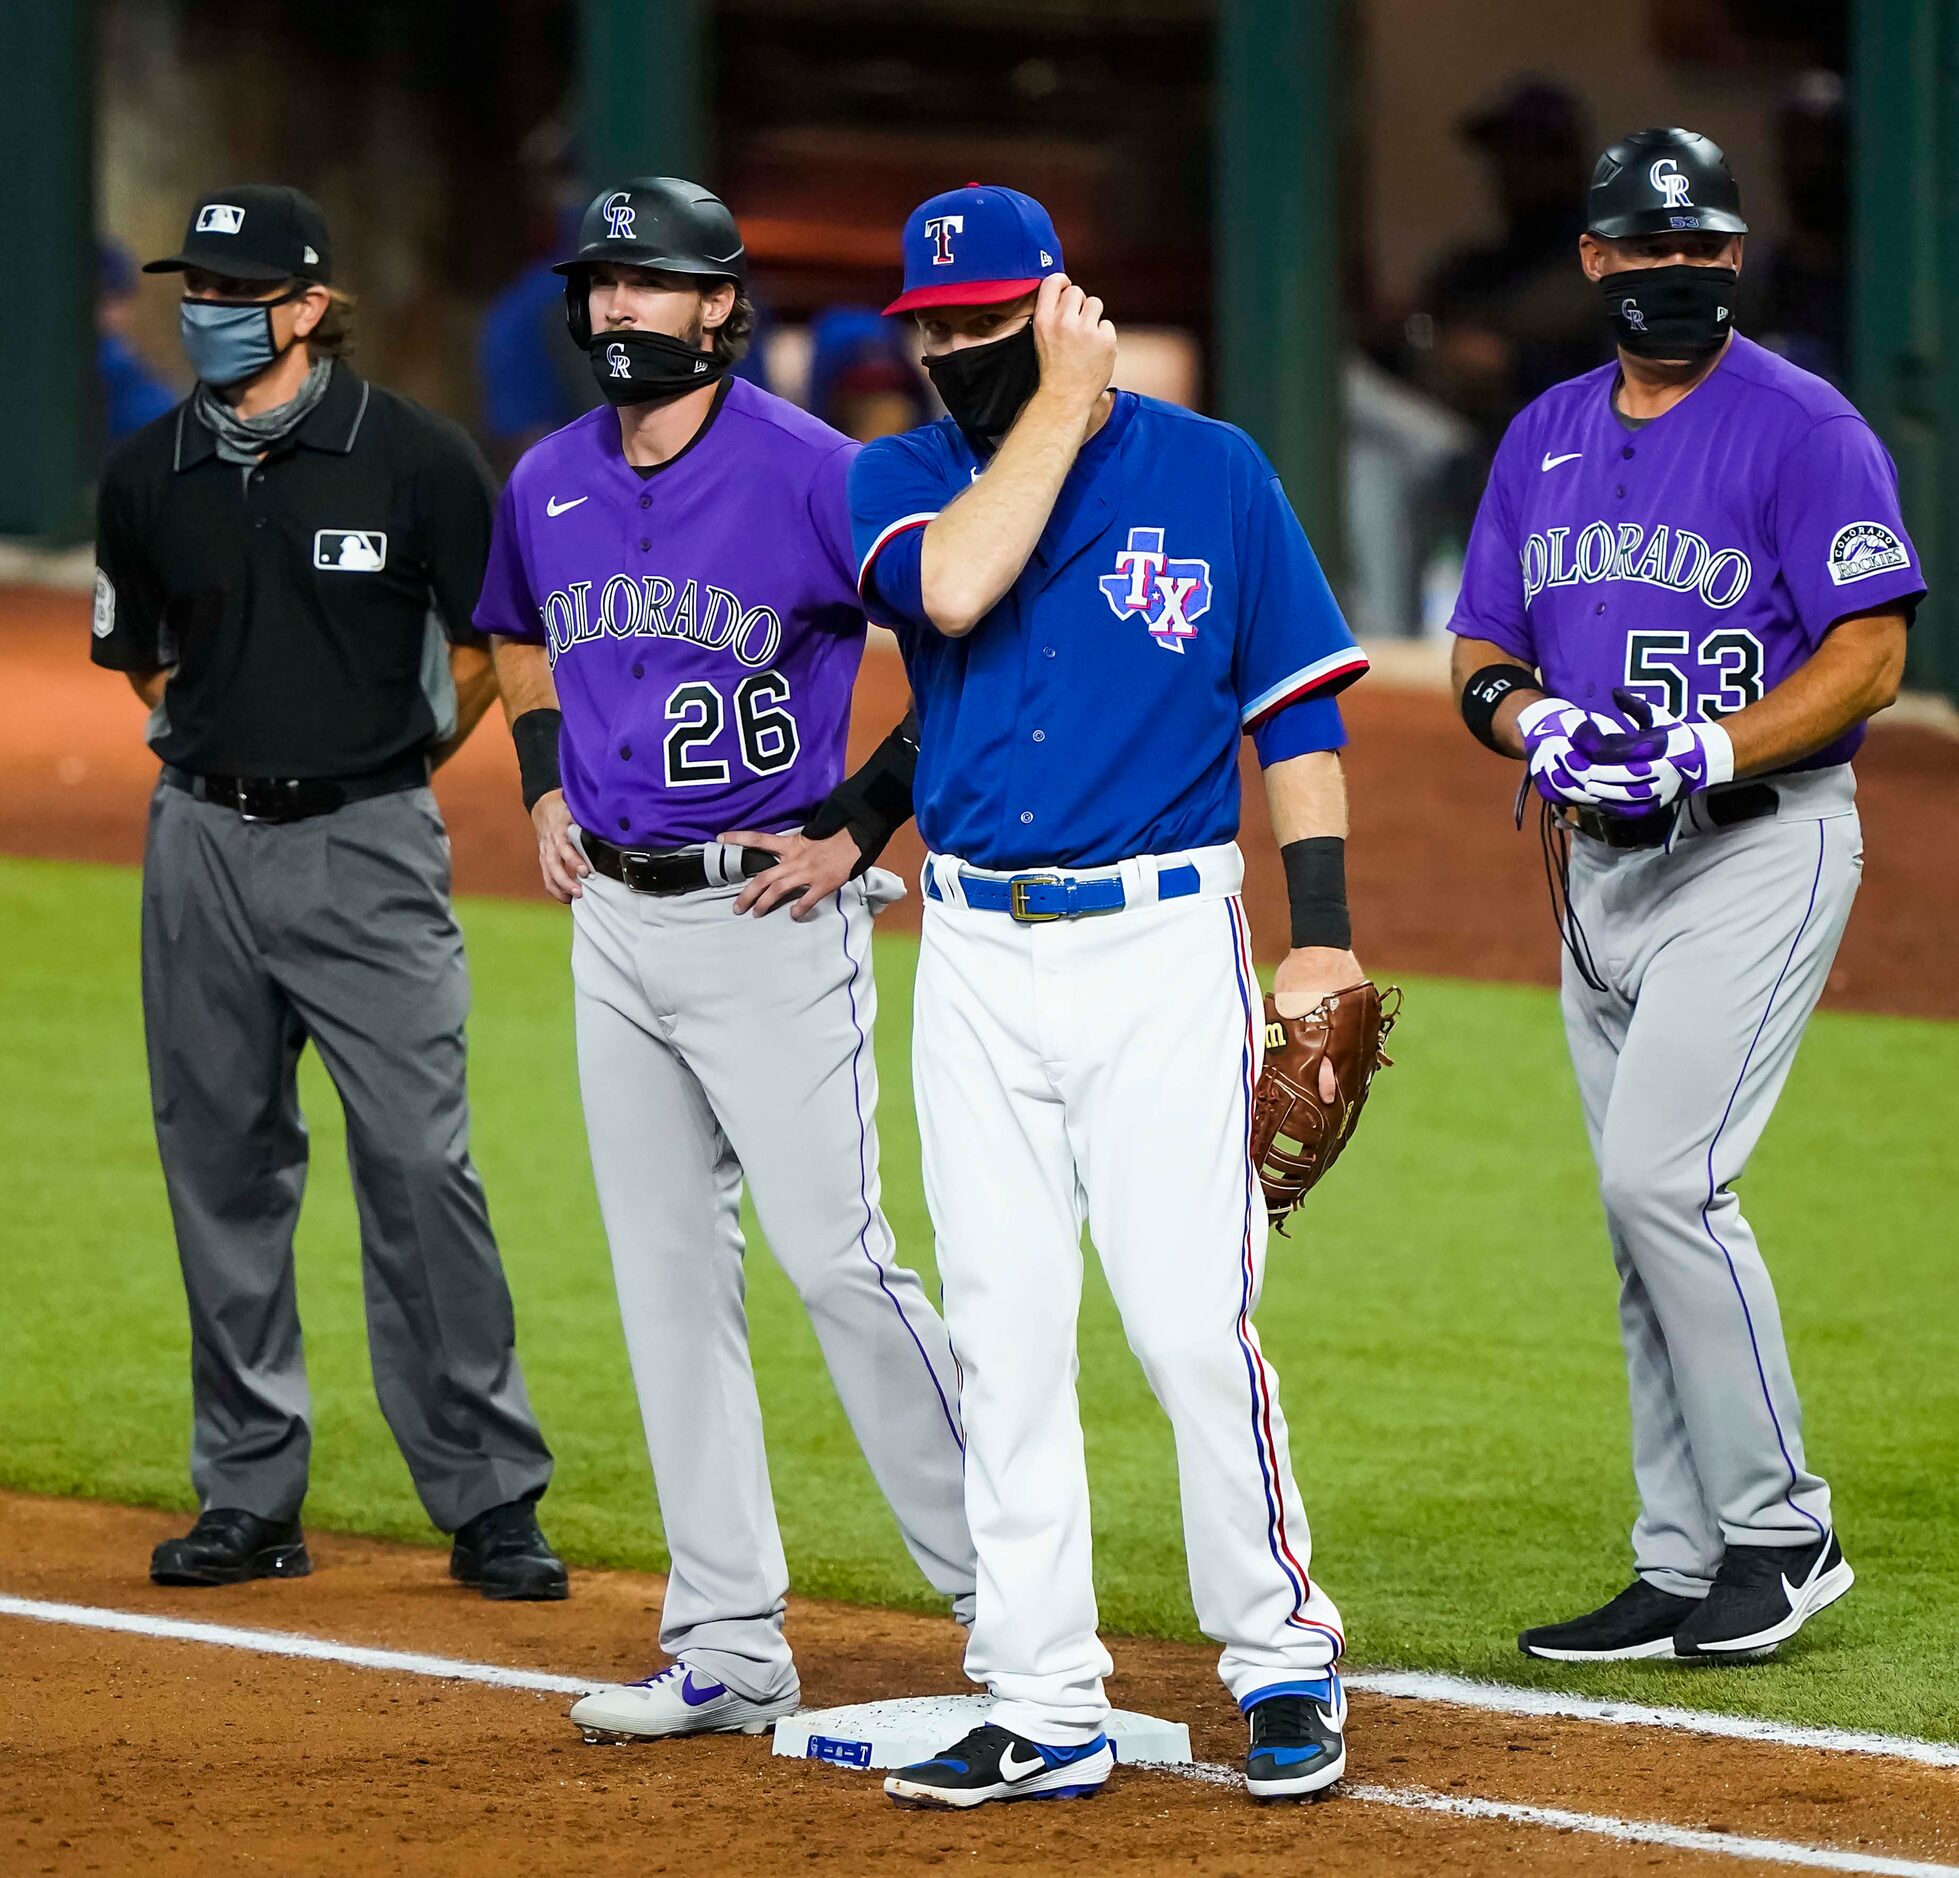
134,1754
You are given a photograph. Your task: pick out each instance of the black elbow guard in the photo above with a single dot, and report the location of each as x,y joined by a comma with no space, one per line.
874,803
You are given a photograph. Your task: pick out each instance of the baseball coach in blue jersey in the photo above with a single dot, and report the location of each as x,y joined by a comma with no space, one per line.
1097,596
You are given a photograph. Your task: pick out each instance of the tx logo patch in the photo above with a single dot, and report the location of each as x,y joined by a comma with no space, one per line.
1172,596
350,550
1865,548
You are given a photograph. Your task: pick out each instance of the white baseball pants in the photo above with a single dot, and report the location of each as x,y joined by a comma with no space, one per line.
1102,1069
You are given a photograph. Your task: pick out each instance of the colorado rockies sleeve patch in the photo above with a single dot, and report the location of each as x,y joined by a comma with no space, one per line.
1865,548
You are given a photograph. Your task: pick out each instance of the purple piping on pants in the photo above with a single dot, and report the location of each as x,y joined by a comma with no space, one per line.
1707,1225
864,1177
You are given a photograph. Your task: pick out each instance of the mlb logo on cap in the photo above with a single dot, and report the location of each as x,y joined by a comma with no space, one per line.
220,218
975,247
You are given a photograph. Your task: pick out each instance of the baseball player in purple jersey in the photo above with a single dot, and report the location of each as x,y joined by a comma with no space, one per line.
672,579
1687,589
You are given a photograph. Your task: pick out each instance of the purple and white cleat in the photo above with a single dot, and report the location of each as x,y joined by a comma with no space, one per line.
675,1702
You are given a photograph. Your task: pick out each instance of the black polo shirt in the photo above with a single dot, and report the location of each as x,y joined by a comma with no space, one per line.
294,599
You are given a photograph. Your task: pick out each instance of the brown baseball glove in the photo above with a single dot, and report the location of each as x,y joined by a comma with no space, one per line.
1297,1134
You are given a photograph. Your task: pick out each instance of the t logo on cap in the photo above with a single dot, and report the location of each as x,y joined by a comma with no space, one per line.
1006,247
219,218
940,231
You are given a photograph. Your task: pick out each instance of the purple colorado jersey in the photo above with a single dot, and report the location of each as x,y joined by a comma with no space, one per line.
1699,559
702,623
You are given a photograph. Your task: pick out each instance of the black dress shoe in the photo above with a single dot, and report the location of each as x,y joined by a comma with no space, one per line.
504,1555
228,1546
1763,1595
1639,1622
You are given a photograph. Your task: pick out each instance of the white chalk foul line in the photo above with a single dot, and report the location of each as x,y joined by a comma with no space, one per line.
1502,1698
1418,1799
1647,1832
284,1643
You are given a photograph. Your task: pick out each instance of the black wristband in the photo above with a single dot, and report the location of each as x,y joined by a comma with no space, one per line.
875,802
535,734
1316,885
1485,691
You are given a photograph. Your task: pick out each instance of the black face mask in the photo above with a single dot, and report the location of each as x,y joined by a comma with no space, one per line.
985,388
1678,312
650,368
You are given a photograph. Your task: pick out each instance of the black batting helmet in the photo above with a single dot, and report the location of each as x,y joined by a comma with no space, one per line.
652,221
1658,182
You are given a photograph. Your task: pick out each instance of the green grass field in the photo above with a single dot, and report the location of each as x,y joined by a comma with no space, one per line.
1449,1353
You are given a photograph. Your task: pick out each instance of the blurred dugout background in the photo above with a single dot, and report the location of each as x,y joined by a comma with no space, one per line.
1347,224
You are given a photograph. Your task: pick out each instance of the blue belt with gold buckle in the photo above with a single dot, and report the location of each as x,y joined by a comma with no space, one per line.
1034,899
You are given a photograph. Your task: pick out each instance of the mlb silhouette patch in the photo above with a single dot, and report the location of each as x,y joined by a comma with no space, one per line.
1169,596
1863,549
350,550
220,218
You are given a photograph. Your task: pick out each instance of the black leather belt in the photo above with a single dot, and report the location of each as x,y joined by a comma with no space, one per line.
668,870
296,798
1725,808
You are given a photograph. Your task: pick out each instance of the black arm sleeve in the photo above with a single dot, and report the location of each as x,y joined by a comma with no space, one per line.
876,802
458,508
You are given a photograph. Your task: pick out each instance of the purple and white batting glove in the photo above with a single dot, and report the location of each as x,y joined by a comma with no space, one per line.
1557,766
1660,759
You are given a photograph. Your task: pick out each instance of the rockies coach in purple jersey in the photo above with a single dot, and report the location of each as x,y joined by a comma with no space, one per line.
672,584
1687,589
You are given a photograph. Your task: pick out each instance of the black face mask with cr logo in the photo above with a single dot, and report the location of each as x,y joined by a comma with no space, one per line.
633,367
984,388
1680,312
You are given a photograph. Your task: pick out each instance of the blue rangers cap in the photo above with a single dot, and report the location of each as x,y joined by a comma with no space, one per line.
975,247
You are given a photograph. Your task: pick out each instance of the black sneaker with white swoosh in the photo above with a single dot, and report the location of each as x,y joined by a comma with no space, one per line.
993,1764
1299,1739
1763,1595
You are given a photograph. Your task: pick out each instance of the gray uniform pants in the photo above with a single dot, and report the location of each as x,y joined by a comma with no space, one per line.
714,1047
1714,954
336,930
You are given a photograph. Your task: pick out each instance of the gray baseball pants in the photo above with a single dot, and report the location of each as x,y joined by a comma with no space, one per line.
337,930
1714,951
715,1048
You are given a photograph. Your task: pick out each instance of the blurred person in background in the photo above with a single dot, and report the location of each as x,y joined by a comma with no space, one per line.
863,375
133,390
528,384
286,565
1500,321
1802,308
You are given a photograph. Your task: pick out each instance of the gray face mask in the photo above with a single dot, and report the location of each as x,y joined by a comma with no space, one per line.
227,342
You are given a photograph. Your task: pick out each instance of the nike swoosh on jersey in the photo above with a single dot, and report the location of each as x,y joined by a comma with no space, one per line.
555,507
1551,462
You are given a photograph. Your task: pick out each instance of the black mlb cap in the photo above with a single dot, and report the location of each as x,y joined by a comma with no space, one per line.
254,231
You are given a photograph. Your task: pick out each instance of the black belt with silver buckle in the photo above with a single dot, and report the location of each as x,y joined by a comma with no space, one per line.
1724,808
295,798
665,870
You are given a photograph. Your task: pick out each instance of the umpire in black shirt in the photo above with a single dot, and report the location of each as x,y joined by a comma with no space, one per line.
287,565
